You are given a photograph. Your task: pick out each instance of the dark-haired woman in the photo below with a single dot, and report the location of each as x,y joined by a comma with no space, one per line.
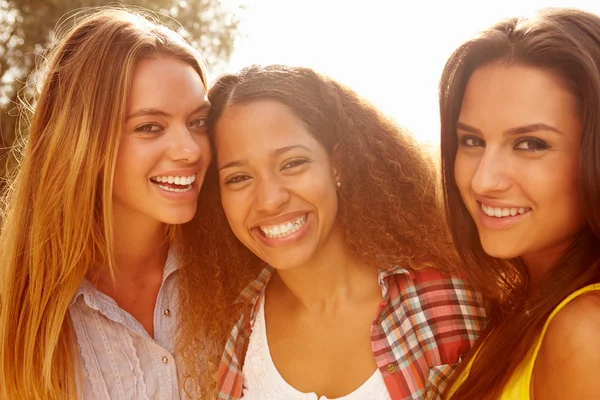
520,109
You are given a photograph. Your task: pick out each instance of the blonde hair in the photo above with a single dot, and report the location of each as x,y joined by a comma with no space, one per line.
57,212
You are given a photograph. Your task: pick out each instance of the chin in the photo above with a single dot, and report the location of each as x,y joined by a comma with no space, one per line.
285,263
501,250
179,218
283,266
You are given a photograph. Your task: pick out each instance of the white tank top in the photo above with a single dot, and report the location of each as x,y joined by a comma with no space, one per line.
263,381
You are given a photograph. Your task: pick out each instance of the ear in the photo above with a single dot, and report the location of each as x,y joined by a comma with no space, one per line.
336,175
335,164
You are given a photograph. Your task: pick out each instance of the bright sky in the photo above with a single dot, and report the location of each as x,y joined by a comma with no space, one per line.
390,51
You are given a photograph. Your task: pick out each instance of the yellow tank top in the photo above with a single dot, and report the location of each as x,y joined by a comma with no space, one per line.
518,387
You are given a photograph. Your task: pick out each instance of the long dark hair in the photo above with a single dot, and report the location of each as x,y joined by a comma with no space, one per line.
565,42
389,210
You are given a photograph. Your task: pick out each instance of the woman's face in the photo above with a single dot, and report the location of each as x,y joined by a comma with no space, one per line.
164,151
278,185
519,136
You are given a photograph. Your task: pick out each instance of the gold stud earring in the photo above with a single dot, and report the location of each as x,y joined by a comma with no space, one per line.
339,184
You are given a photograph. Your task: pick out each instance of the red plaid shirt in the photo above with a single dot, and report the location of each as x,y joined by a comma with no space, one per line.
425,323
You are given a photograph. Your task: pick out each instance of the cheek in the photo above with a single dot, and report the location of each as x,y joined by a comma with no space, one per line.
138,155
203,143
464,170
126,163
324,196
555,185
234,206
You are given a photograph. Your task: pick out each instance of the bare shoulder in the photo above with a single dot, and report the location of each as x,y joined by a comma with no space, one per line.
569,358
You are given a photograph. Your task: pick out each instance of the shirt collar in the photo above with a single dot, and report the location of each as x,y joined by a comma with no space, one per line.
256,288
386,273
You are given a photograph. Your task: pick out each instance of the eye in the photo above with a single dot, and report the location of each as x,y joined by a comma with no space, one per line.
236,179
471,141
149,128
198,123
531,144
294,163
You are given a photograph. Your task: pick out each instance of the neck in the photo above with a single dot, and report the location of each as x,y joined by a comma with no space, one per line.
330,280
140,246
540,262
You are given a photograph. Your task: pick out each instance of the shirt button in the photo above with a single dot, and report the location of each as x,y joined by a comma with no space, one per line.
167,312
391,368
166,360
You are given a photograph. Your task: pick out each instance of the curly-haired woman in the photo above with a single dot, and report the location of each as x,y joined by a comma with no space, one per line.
338,207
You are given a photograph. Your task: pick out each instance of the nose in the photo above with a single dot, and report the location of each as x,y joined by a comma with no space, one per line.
188,146
492,174
270,195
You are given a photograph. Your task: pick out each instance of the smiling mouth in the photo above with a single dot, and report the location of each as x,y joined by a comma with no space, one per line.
177,184
283,230
498,212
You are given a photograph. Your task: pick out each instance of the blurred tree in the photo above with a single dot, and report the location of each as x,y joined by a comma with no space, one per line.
26,28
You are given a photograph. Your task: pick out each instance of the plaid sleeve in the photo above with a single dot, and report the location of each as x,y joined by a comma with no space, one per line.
439,376
431,321
229,378
456,317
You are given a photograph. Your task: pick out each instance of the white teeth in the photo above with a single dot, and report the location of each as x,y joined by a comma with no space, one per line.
184,181
170,189
285,229
498,212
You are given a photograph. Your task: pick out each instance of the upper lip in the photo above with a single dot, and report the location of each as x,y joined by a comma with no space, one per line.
497,204
179,172
280,219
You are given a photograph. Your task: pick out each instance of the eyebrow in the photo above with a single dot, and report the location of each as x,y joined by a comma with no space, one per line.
280,151
272,153
519,130
159,113
531,128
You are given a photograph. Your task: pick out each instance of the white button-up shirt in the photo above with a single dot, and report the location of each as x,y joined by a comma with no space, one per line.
119,359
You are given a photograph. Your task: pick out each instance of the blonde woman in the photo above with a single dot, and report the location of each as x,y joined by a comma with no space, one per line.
115,158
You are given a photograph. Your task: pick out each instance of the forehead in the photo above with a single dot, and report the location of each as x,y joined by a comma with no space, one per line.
258,126
165,82
516,95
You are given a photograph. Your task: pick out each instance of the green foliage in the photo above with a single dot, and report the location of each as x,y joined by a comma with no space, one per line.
26,28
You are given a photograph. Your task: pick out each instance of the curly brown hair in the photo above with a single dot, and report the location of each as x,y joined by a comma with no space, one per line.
389,212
